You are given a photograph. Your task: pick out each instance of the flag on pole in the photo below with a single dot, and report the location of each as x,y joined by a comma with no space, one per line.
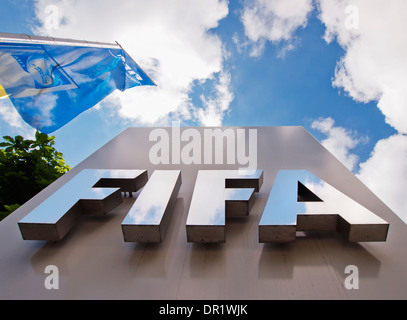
51,81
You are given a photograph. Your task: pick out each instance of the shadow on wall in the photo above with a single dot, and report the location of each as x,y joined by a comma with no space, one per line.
313,249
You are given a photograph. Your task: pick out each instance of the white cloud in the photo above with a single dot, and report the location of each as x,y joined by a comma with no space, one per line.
385,173
273,20
171,40
10,114
14,120
374,67
216,106
339,141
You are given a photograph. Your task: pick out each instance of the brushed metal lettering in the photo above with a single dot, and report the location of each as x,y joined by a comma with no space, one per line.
219,194
148,218
299,201
90,192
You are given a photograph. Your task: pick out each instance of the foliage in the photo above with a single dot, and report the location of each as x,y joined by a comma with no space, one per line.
27,167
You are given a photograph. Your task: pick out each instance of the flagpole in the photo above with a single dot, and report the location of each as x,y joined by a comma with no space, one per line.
25,38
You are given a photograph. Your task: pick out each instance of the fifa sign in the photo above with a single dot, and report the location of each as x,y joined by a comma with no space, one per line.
229,173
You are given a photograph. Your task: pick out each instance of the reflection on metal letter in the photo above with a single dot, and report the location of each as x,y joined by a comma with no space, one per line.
219,194
299,201
148,218
89,192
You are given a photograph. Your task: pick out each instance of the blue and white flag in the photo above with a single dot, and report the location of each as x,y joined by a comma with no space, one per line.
50,84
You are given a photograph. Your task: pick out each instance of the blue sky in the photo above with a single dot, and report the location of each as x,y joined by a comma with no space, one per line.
338,68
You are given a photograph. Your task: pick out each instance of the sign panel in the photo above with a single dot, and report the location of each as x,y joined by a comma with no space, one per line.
210,212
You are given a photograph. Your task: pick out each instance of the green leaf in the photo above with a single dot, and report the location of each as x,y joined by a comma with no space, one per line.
3,214
5,144
12,207
26,167
9,139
